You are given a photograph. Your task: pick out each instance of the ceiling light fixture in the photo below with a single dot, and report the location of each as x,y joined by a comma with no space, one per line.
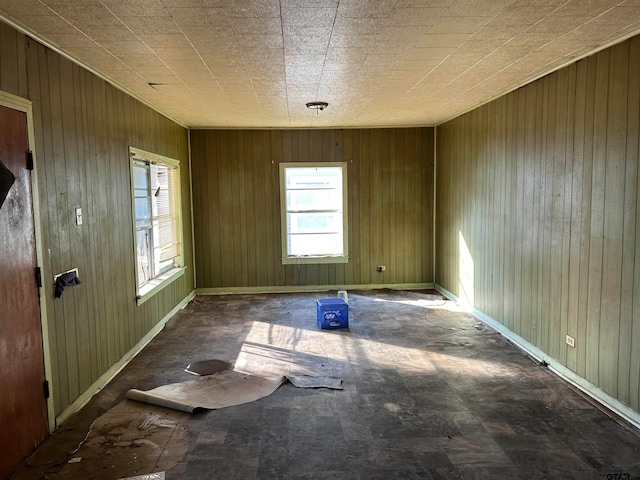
317,105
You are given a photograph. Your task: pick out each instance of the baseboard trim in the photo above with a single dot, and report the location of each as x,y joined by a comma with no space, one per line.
601,397
310,288
107,376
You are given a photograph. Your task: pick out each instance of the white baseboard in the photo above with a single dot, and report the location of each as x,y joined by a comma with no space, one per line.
597,394
311,288
107,376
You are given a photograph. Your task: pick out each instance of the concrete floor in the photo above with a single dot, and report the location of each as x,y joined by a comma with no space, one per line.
429,393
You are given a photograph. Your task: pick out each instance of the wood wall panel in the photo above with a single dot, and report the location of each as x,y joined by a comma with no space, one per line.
237,205
83,128
542,184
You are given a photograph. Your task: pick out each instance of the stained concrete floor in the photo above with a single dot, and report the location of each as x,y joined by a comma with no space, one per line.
429,393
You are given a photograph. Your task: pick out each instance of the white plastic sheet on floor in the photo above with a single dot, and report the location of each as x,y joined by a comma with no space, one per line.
223,389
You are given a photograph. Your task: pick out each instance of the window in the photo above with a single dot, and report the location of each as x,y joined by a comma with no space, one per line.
158,231
313,199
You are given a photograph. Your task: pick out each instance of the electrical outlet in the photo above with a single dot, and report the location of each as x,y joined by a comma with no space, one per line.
381,268
571,341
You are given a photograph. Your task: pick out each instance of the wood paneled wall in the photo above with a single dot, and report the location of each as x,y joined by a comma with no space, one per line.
83,128
237,205
542,185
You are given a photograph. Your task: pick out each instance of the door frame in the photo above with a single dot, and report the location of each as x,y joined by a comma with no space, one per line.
24,105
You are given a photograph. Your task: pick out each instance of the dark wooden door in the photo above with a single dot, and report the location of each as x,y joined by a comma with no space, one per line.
23,408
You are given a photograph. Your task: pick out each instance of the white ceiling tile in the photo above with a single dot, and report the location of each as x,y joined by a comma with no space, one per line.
446,40
168,40
67,2
521,16
199,17
254,25
477,8
254,8
429,53
416,16
350,41
556,25
140,60
309,3
584,9
620,16
407,34
44,24
530,40
308,17
156,73
106,33
423,3
87,15
150,25
139,8
177,53
253,63
197,3
418,65
71,40
458,24
24,7
264,41
366,8
384,60
359,26
97,57
127,48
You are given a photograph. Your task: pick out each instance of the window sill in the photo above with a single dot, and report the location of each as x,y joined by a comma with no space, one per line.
313,260
148,290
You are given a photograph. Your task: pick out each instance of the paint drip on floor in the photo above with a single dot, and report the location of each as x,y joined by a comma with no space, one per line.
128,440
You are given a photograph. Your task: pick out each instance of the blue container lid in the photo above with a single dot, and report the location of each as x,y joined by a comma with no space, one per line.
331,301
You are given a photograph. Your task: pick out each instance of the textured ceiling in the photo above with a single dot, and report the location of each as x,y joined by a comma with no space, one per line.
255,63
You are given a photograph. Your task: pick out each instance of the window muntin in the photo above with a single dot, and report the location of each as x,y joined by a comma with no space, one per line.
314,219
157,222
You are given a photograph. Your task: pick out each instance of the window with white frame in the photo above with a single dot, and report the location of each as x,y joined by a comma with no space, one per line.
314,212
158,231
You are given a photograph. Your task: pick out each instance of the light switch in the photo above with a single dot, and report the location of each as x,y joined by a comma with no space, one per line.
78,216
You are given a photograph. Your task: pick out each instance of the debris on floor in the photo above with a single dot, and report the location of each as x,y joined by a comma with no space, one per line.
128,440
149,476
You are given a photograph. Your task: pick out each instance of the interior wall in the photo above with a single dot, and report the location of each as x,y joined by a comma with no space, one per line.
237,205
83,128
537,211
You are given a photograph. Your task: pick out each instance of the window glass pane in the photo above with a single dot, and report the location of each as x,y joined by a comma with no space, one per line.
141,176
316,245
306,223
313,177
143,212
314,199
143,246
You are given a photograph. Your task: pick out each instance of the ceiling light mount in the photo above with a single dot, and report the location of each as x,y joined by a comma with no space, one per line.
317,105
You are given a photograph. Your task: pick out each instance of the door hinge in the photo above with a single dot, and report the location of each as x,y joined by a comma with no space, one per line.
29,160
46,389
38,277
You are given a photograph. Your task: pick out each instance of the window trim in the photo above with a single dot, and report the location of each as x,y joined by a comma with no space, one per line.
319,259
148,290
